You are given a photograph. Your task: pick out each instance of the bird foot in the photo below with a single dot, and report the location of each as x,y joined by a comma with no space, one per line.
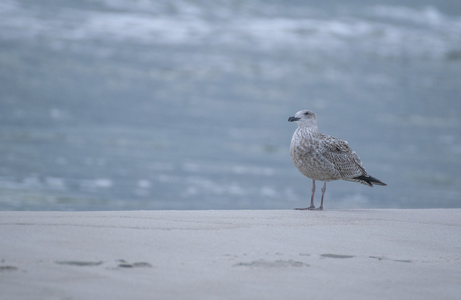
309,208
318,208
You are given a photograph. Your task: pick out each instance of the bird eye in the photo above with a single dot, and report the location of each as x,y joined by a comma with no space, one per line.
306,113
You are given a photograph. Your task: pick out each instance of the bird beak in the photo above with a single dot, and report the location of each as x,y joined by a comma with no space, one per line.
293,119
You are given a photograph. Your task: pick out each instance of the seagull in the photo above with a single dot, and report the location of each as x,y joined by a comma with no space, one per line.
323,157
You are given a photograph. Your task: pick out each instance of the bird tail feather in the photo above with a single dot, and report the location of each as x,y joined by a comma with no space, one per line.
368,180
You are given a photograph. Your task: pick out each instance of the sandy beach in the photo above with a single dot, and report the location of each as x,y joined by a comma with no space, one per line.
231,254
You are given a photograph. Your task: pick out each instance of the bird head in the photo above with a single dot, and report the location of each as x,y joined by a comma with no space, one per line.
304,118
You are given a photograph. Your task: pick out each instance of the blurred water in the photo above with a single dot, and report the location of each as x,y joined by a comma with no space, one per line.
121,104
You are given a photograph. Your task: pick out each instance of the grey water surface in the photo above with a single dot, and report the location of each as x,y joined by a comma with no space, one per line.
178,104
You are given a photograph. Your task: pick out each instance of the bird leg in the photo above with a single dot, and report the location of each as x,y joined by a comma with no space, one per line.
324,188
323,193
312,207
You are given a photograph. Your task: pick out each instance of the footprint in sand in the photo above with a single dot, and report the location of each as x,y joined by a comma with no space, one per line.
79,263
386,258
329,255
120,263
123,264
8,268
272,264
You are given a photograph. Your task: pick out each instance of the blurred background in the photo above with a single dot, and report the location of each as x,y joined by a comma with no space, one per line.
181,104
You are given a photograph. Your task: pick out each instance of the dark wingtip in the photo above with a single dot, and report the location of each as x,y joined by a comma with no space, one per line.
370,180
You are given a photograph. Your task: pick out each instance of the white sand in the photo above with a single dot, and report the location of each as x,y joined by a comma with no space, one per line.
276,254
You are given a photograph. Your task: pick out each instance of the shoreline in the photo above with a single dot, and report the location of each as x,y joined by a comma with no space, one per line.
231,254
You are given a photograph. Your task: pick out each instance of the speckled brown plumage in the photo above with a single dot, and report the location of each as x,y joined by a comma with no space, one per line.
323,157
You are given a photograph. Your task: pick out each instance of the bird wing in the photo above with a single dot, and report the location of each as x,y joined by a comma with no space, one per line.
341,156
